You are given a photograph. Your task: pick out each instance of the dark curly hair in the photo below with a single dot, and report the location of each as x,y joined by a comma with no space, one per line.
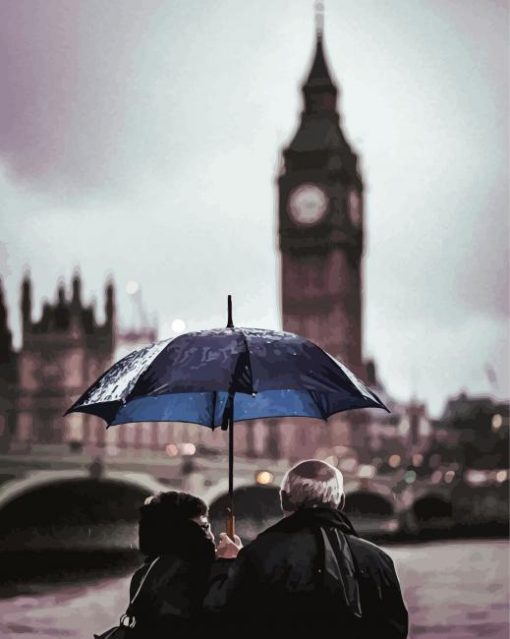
165,522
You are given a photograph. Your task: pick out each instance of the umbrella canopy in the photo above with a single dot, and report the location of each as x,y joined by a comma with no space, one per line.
220,376
190,378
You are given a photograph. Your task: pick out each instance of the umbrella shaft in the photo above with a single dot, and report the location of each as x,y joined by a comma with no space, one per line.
231,463
230,509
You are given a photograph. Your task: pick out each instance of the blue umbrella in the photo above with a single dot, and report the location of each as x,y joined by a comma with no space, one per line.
216,377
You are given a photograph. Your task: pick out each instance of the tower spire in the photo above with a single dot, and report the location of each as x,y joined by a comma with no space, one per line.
5,333
319,90
319,18
109,301
26,301
76,286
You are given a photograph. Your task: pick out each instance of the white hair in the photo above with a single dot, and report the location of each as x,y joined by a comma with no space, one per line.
312,482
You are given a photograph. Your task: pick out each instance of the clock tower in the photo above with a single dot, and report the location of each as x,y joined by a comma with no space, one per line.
321,224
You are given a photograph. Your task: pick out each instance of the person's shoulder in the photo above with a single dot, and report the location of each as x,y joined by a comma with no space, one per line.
275,543
274,535
367,550
136,578
164,566
139,572
173,564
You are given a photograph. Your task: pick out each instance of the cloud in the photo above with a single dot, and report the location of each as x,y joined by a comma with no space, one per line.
66,79
142,138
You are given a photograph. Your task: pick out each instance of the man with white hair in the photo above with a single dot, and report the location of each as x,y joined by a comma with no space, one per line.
308,573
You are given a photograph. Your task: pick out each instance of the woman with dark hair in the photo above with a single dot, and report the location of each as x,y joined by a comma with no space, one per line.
175,537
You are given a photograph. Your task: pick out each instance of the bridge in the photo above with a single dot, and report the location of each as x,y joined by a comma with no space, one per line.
95,504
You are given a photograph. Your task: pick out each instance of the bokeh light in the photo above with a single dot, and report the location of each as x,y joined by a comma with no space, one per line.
188,449
449,476
172,450
366,471
394,461
436,477
264,477
417,459
410,477
132,287
178,326
497,422
501,476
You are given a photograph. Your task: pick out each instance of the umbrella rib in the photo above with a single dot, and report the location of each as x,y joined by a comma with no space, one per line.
248,358
323,414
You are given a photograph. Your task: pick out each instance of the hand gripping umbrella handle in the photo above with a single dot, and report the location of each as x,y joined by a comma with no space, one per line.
231,524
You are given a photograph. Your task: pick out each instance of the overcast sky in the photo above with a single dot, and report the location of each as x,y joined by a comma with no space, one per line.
141,138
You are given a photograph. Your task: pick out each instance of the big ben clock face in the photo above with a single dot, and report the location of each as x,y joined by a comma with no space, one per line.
307,204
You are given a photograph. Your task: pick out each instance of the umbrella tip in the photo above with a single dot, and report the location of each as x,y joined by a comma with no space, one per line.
230,323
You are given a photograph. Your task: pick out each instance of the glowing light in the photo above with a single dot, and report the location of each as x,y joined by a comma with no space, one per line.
391,526
410,477
366,471
264,477
332,459
417,460
340,450
449,476
394,461
501,476
436,477
497,422
178,326
172,450
404,427
188,449
348,464
476,477
132,287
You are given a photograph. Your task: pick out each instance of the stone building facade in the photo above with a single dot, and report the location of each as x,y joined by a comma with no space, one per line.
62,353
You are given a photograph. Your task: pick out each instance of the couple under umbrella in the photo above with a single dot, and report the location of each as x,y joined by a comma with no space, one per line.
215,378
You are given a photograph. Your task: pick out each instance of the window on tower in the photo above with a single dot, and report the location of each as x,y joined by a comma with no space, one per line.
354,206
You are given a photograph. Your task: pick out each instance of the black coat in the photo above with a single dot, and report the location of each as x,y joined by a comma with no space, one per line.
170,601
307,575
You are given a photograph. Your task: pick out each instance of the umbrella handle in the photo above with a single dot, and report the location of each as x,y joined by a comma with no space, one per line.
231,524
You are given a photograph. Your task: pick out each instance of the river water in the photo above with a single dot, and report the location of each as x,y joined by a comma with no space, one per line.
453,590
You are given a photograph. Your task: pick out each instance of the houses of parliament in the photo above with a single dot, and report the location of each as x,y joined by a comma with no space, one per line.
321,235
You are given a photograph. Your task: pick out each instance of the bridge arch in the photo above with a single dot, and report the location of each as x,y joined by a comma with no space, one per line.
432,510
256,507
372,507
72,510
367,502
